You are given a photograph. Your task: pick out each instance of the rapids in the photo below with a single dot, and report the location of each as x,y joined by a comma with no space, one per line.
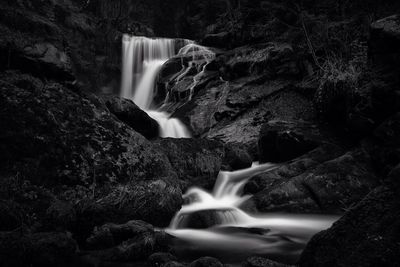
214,224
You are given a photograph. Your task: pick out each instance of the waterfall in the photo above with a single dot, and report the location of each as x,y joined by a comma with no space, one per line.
142,59
215,224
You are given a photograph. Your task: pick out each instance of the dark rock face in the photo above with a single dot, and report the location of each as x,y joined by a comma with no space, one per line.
370,231
196,161
110,235
283,140
39,249
132,115
63,145
67,129
385,40
322,181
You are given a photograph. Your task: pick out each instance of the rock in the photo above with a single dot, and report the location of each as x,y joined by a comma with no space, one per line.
110,235
61,214
206,262
221,40
272,59
196,161
233,112
385,41
329,187
204,219
394,178
134,249
370,231
174,264
70,144
285,140
386,151
129,113
261,262
38,249
11,217
161,259
237,158
46,58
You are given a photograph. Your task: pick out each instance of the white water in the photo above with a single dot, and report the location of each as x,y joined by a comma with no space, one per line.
201,57
142,59
230,233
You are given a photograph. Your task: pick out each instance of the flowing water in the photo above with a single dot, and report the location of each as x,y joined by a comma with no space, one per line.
213,224
142,59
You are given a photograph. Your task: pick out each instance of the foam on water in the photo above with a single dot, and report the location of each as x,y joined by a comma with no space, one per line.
142,59
232,234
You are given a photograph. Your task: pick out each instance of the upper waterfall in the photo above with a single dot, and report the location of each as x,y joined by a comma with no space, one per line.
142,59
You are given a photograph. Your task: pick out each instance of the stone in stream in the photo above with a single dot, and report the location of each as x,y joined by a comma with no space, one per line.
128,112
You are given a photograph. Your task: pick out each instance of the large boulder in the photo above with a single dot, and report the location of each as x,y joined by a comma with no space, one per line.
316,183
69,141
129,113
367,235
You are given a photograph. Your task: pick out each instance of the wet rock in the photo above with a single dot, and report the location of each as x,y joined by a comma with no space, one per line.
261,262
370,231
236,157
285,140
196,161
110,235
206,262
206,218
38,249
161,259
329,187
129,113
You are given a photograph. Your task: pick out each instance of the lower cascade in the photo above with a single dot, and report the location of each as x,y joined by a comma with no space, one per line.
142,59
214,224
